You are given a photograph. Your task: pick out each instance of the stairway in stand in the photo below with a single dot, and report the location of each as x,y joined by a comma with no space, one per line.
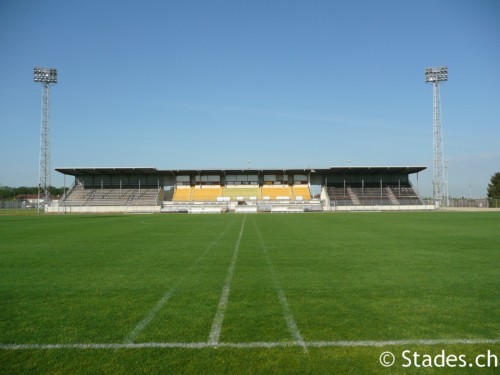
391,196
353,196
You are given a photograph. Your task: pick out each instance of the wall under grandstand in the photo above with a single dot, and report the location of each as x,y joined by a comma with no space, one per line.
108,190
55,208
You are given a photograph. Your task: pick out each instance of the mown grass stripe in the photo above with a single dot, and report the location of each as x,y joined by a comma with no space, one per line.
287,312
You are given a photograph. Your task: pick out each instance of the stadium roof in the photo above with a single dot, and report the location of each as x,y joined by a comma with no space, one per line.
376,169
182,172
107,171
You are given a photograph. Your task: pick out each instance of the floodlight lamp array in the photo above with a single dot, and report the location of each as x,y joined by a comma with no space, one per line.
45,75
436,74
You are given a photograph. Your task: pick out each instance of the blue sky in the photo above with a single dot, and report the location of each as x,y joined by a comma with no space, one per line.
282,84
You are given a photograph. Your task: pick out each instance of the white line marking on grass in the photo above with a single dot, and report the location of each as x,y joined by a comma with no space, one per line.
424,342
213,338
152,313
249,345
287,312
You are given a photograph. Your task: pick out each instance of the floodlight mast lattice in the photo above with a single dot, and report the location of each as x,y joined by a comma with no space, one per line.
435,75
47,77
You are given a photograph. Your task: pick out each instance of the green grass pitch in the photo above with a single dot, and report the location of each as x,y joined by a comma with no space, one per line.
263,293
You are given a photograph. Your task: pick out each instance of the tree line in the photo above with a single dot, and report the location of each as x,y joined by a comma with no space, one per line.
11,193
494,187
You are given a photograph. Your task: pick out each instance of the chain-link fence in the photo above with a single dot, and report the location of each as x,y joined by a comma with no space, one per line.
475,203
12,205
16,207
467,203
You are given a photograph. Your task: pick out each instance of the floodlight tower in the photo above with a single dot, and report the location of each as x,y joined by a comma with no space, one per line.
47,77
435,75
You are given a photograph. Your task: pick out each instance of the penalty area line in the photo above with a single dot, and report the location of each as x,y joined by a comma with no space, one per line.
247,345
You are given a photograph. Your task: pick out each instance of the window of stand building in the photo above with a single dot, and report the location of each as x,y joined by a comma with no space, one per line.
207,180
242,179
275,179
183,180
300,179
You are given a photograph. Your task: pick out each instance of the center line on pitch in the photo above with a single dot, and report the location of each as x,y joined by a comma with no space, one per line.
214,336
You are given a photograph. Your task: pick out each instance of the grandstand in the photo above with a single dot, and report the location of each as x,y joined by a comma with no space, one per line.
216,191
113,190
273,192
80,196
371,195
206,193
242,193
